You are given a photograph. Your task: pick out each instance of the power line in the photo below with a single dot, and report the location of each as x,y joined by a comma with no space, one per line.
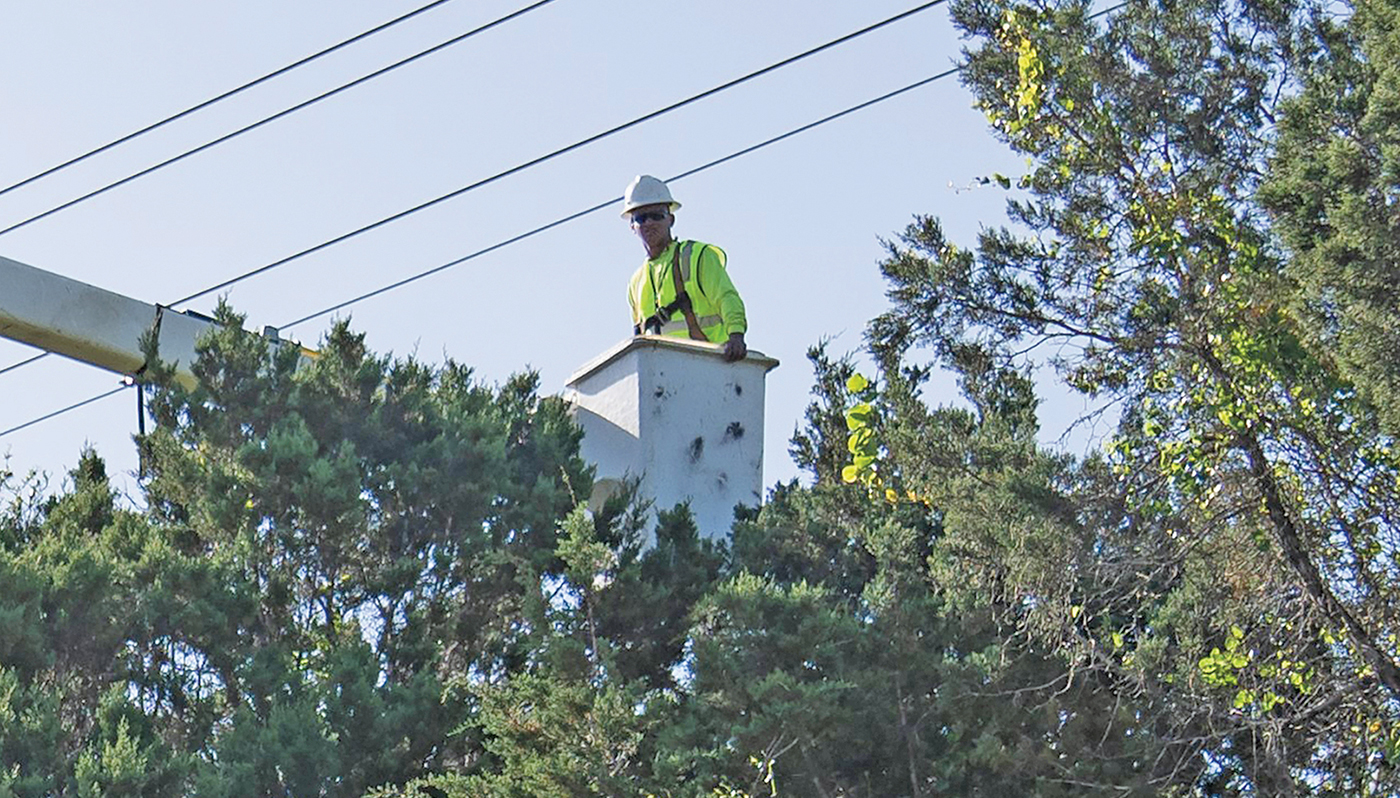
551,225
556,223
231,92
614,200
561,151
500,175
592,209
24,362
531,163
221,97
285,112
57,413
517,168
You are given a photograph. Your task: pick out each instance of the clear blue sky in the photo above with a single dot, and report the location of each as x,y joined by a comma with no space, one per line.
801,220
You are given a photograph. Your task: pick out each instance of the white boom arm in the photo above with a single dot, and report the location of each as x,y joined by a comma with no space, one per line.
91,324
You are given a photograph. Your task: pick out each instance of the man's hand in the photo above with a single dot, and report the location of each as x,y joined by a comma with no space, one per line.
734,348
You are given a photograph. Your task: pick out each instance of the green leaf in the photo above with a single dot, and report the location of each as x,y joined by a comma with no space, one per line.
859,416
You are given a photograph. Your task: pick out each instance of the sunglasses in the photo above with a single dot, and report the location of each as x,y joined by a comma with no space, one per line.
648,216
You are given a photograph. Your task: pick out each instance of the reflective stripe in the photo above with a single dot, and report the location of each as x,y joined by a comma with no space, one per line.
677,325
638,315
685,262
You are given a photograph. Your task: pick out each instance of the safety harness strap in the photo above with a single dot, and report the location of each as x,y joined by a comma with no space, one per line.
682,298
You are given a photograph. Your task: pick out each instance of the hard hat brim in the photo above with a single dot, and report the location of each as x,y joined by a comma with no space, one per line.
627,209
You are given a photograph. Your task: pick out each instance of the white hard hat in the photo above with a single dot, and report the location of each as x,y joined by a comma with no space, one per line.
646,190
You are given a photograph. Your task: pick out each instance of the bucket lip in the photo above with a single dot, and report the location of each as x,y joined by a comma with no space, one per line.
703,348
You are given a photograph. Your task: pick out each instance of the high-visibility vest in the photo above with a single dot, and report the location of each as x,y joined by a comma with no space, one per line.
653,286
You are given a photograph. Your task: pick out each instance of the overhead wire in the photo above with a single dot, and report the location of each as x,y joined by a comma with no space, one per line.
234,134
613,201
561,151
21,364
280,114
540,159
542,228
57,413
556,223
223,96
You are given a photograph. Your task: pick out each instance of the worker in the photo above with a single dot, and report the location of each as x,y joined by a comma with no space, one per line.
683,289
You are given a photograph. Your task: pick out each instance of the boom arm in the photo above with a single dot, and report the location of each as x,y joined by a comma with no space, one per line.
91,324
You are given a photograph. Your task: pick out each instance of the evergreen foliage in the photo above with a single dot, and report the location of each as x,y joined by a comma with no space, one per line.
365,576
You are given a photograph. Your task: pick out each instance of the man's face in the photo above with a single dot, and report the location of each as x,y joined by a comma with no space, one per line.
652,224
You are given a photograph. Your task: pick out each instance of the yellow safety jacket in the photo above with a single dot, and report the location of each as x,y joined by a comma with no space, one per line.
713,298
